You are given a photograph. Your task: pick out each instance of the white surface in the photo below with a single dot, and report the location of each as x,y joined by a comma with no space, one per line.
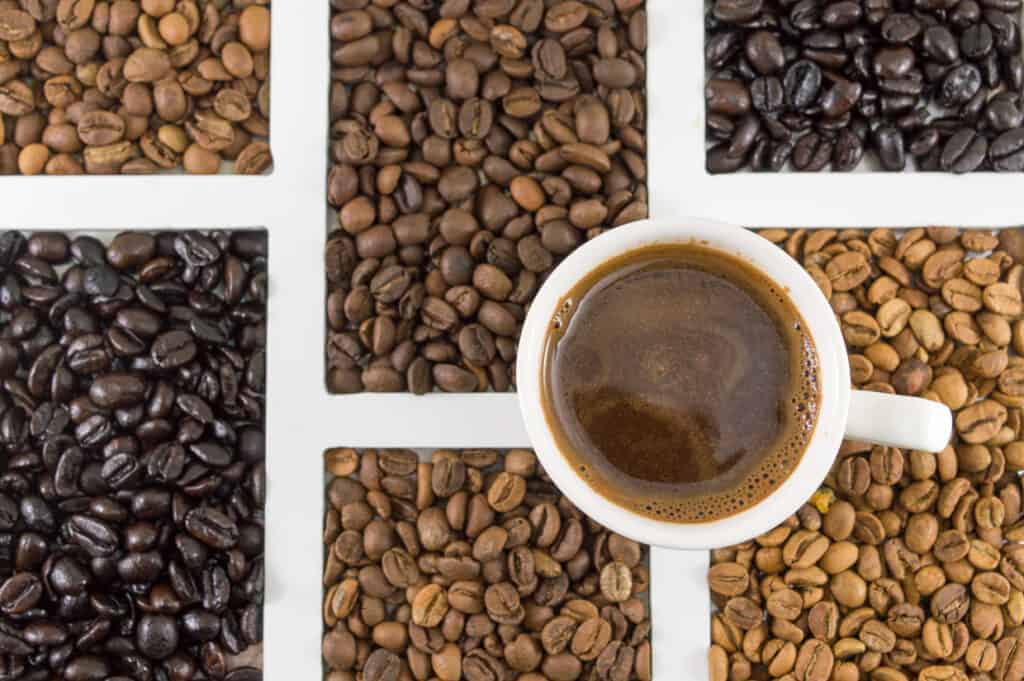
303,420
899,421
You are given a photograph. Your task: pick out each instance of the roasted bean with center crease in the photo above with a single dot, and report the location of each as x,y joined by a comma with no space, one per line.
473,146
131,455
496,577
919,575
875,84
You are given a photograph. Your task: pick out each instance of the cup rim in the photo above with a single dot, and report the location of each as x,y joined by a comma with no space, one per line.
824,330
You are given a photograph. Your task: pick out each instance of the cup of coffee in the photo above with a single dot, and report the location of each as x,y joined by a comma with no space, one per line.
686,384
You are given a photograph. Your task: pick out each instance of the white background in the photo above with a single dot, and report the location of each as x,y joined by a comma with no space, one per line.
303,420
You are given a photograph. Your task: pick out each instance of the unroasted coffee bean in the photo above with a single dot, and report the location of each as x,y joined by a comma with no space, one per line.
496,579
474,147
131,516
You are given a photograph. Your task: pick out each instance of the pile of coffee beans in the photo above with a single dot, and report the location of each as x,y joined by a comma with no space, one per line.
132,476
471,566
122,86
474,144
931,84
905,565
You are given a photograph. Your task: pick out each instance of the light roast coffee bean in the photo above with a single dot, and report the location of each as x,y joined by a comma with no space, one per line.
680,383
907,564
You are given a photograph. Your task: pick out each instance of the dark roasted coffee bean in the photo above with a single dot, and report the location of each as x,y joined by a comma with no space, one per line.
848,151
94,458
801,84
767,96
1007,151
736,11
940,44
812,152
765,53
964,151
846,63
212,527
960,84
889,143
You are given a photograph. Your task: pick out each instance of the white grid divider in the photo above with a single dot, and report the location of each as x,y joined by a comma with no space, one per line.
302,420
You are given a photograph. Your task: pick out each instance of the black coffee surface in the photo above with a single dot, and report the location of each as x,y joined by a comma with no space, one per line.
681,383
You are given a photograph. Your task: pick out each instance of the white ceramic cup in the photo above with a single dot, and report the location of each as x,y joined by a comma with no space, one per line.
906,422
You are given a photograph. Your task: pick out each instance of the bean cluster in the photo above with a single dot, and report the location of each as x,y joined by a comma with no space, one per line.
474,144
471,565
132,476
905,565
813,84
123,86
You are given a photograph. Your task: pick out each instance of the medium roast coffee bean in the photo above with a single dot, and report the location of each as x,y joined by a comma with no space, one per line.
518,148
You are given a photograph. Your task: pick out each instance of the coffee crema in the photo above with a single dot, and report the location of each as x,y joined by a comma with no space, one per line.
680,382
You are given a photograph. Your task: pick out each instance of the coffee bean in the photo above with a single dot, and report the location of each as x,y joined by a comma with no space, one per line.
381,665
965,151
936,525
516,580
1007,151
888,77
114,485
443,296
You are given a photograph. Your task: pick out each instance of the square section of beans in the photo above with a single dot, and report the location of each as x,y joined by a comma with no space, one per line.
473,145
905,565
132,474
470,565
98,87
879,85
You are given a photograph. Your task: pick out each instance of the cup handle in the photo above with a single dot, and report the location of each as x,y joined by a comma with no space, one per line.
899,421
680,614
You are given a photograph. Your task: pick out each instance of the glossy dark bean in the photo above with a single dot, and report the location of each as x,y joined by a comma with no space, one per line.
965,151
736,11
765,53
767,95
960,84
801,84
890,145
848,151
876,64
812,153
1007,151
132,459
